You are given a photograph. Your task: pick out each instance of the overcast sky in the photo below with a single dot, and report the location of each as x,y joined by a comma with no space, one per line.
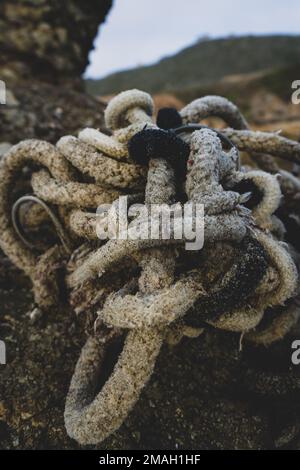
139,32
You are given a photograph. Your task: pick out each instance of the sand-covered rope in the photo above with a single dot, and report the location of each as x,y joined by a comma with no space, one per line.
142,291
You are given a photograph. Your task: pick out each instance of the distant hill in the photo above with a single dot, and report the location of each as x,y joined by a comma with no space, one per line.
240,87
203,63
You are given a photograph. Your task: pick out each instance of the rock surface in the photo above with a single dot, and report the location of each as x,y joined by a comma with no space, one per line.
44,51
48,40
44,111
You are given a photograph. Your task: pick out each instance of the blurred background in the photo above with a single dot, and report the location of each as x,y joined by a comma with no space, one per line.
247,51
58,57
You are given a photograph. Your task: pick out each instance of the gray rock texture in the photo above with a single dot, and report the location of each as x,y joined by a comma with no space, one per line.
44,51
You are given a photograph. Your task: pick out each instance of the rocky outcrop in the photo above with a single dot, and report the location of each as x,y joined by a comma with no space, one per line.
44,51
48,40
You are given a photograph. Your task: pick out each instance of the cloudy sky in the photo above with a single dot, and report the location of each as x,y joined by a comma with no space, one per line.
139,32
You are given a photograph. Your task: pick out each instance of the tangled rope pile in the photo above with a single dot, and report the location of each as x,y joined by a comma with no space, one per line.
151,290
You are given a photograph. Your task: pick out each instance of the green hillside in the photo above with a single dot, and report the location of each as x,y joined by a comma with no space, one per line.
203,63
241,87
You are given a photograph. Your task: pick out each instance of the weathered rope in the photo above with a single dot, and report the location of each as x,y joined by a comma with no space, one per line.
151,290
257,141
62,180
253,142
83,418
56,222
151,309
